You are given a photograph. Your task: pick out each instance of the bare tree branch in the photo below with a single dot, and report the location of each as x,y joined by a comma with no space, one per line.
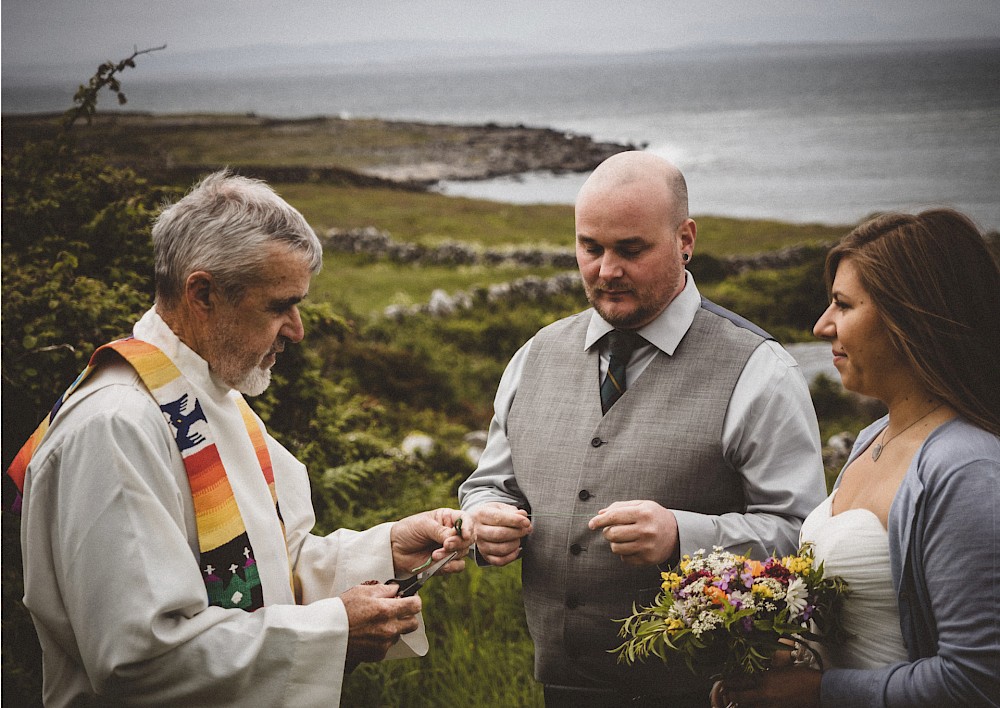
106,76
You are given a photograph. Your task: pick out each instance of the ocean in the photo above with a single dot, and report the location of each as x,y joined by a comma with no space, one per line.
818,133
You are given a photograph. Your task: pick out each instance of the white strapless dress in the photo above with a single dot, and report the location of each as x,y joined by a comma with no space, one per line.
853,545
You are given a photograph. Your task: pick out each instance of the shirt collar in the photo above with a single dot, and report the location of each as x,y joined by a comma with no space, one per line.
667,330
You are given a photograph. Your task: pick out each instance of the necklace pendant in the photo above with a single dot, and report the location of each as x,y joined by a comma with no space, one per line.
876,451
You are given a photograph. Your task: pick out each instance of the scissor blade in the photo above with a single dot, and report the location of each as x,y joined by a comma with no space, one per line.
409,586
435,567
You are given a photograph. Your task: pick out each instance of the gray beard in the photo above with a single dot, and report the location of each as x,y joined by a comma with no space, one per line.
255,382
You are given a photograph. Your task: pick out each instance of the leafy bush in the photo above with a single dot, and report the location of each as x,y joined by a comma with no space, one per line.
706,268
785,302
77,266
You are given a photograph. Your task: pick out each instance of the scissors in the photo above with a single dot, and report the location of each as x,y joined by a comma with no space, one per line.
409,585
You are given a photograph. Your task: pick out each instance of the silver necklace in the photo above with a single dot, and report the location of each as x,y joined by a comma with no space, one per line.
878,447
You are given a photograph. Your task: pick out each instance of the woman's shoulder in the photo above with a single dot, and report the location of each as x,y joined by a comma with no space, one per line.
958,446
959,439
953,479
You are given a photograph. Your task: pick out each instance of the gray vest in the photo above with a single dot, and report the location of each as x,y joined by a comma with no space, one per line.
660,441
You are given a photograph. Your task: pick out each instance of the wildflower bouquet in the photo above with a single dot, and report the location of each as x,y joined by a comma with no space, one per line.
725,614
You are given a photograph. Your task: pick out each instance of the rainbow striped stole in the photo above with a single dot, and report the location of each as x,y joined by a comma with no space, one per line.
227,560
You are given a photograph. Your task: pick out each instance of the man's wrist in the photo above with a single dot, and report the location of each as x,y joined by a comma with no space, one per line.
671,561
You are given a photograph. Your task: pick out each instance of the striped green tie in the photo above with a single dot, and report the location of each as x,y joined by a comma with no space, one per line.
623,343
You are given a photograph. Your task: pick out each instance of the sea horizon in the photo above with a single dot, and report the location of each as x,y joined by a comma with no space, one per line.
801,133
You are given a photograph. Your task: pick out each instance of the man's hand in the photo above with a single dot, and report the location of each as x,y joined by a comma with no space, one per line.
376,618
642,532
431,533
499,529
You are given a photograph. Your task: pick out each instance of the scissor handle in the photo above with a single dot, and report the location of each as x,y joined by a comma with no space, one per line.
407,586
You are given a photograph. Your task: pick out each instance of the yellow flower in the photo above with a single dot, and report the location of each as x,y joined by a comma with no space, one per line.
671,581
762,590
673,624
797,564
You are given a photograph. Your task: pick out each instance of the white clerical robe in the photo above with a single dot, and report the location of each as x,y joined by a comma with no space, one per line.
111,573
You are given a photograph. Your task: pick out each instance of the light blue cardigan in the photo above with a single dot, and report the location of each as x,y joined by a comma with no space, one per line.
944,548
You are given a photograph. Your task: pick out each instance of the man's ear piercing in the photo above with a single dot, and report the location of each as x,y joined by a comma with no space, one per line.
686,257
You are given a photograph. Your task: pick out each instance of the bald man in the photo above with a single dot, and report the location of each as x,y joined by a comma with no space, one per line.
649,426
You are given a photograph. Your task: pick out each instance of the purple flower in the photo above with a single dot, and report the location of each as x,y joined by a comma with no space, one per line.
725,579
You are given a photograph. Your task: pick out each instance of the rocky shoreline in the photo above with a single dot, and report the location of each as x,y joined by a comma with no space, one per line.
364,152
491,150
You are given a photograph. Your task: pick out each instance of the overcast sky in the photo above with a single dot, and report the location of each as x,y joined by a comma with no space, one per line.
71,31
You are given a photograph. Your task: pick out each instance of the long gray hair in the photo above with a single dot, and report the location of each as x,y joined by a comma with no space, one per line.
222,226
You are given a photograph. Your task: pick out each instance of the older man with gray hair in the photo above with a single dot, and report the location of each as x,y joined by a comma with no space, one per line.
166,536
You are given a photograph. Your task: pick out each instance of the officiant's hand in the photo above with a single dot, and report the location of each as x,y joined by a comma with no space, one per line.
376,619
499,529
430,533
640,531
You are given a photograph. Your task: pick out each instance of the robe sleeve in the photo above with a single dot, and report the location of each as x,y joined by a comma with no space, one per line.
325,566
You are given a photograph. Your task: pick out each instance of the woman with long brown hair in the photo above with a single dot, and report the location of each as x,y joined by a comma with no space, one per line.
913,523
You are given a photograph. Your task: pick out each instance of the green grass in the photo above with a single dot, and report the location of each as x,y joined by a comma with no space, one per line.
351,282
429,218
722,236
221,139
481,654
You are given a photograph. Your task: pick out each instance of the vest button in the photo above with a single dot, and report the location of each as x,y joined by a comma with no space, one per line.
584,495
596,442
575,549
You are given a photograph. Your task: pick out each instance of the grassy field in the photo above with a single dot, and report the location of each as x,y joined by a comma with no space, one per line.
429,218
235,139
350,283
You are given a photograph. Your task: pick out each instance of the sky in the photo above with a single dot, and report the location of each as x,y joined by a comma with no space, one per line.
60,32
